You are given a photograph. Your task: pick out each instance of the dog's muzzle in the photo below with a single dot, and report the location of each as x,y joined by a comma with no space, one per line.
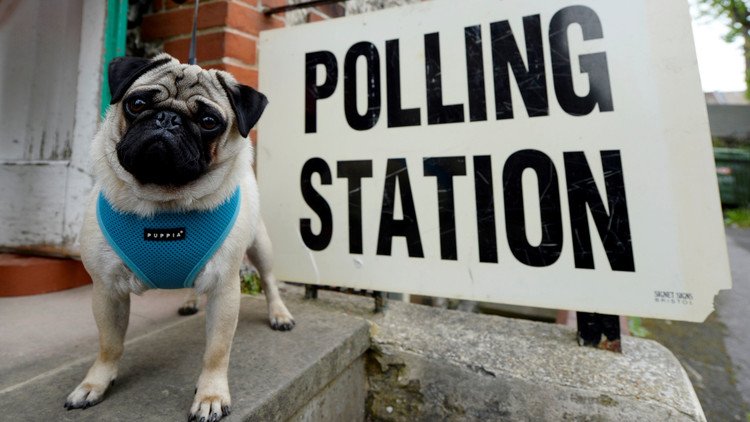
163,149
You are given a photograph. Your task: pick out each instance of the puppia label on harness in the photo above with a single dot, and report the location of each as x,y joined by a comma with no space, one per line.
159,235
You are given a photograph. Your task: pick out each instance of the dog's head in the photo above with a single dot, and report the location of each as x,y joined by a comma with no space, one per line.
173,122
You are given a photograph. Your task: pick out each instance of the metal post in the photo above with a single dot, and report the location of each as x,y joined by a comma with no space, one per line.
191,53
381,301
311,291
599,330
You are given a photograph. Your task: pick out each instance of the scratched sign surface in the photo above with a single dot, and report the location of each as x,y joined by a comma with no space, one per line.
545,153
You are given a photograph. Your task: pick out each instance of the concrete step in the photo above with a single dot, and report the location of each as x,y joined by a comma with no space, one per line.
273,375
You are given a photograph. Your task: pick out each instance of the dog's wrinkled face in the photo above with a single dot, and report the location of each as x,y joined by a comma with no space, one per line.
175,117
169,140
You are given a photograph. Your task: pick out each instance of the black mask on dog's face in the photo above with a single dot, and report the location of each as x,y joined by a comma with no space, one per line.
164,146
171,145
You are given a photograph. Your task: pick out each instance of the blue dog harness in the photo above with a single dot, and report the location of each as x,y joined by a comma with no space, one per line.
168,250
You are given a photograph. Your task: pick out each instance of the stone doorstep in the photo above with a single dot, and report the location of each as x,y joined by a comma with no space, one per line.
22,275
272,374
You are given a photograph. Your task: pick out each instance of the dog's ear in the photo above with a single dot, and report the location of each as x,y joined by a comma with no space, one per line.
247,103
123,71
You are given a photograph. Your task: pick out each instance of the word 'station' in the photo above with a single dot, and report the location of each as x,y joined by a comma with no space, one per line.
511,152
612,226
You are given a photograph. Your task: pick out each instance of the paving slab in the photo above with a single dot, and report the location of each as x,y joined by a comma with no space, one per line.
272,374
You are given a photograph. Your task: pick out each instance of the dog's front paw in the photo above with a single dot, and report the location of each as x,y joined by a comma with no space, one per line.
91,390
281,319
209,406
86,395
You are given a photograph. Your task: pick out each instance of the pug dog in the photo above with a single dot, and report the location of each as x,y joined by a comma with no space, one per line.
173,166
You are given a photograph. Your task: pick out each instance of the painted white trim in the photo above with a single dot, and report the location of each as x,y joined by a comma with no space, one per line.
79,183
43,200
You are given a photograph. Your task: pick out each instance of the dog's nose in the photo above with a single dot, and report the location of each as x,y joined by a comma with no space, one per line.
168,119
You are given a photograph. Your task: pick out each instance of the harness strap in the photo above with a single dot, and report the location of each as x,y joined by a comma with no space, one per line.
169,249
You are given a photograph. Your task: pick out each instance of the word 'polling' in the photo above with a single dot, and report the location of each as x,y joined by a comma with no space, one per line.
530,76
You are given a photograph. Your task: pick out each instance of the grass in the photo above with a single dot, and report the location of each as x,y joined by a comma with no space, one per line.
636,328
737,217
250,283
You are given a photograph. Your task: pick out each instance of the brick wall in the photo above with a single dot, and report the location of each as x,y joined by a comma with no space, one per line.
227,36
228,30
227,33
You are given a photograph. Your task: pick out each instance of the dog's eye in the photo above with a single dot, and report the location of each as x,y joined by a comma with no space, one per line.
209,123
135,106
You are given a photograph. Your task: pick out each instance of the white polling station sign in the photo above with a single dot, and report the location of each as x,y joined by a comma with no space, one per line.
547,153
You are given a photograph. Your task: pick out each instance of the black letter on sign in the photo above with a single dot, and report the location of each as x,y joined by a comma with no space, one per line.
354,171
613,227
531,81
595,65
370,53
475,73
548,250
485,201
397,116
320,241
437,112
396,172
314,92
444,168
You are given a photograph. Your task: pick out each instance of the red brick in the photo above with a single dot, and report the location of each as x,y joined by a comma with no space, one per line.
243,75
239,47
315,17
250,21
209,47
274,3
180,21
29,275
214,47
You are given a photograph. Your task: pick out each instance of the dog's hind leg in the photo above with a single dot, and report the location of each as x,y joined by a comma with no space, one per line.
262,258
190,306
111,312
